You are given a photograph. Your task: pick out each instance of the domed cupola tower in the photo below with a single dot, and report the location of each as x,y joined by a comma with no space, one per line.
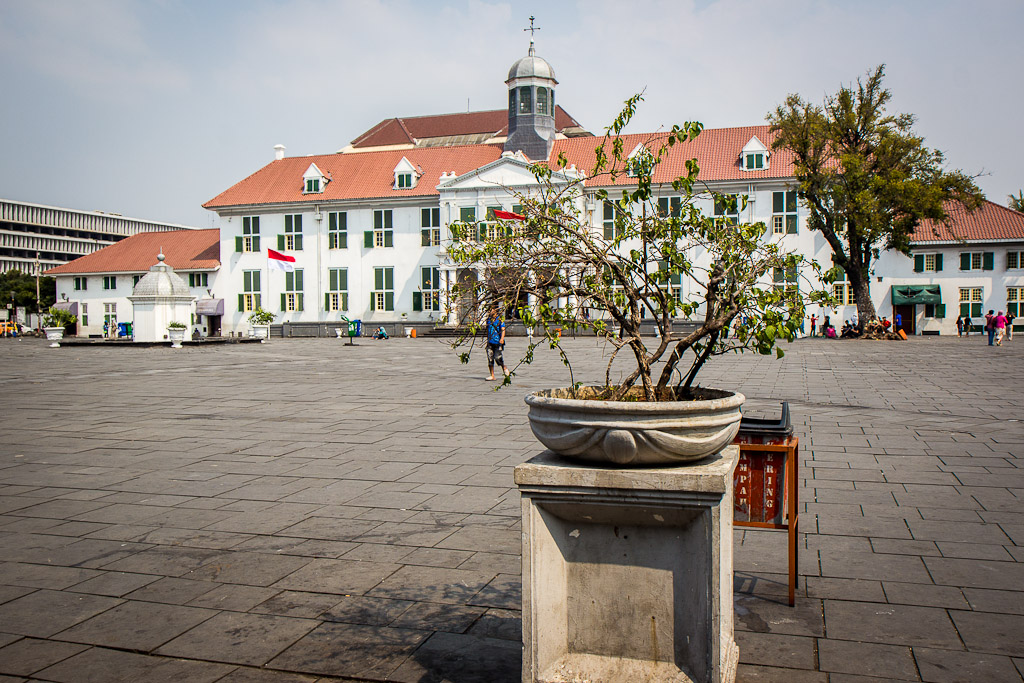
531,105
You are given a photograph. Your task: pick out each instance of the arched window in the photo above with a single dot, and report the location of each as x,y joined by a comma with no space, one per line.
542,101
525,101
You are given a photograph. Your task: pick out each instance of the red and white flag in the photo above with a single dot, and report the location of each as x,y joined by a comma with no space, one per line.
280,261
508,215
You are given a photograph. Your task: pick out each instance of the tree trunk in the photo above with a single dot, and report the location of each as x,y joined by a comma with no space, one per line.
860,283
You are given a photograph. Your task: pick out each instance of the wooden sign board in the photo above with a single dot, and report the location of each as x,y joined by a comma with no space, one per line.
764,490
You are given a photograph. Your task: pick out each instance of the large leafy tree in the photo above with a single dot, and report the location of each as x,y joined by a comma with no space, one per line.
867,179
20,289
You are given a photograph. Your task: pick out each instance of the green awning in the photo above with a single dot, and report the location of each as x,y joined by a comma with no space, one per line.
916,294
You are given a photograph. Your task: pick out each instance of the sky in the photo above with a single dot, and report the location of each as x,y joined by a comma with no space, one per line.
148,109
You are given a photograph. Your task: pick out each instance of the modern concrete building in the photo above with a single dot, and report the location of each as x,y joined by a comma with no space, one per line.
57,236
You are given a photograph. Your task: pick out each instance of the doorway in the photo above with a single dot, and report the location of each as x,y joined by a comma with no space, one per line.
908,316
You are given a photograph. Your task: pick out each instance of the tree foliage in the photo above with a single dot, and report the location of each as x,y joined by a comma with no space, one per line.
21,287
1016,202
867,179
558,271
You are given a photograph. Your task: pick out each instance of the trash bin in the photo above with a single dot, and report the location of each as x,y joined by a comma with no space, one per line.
359,329
757,430
123,330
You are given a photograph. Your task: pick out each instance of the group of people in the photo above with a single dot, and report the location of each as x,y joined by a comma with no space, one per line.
997,326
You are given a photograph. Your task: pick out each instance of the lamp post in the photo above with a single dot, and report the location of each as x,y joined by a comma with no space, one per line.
39,301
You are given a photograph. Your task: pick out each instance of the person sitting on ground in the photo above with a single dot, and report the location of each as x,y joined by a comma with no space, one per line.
830,332
380,333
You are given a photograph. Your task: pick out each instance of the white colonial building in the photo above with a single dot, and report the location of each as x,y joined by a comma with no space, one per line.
368,225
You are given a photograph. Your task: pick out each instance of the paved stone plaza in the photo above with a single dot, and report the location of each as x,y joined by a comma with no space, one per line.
303,510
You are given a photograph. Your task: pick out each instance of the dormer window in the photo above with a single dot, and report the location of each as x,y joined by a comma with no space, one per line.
754,156
313,180
640,160
406,175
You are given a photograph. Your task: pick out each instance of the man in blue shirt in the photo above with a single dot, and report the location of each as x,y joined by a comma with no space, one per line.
495,342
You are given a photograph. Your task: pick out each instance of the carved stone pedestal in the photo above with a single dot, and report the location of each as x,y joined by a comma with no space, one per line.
627,573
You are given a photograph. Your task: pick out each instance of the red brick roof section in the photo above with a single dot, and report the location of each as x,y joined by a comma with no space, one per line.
182,249
368,175
989,222
397,131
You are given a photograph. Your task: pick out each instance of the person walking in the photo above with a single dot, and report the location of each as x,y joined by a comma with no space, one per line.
814,325
989,327
495,342
999,323
1009,326
967,326
960,326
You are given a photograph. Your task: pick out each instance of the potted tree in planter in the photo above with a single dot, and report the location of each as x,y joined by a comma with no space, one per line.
55,322
176,333
659,261
260,320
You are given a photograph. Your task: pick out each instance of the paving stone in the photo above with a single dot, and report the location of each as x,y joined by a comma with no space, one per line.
867,659
976,573
990,633
337,576
233,598
172,591
432,584
748,673
466,658
926,595
365,610
253,569
139,626
770,649
46,612
983,600
350,650
250,639
892,624
297,604
29,655
114,584
429,616
949,666
101,665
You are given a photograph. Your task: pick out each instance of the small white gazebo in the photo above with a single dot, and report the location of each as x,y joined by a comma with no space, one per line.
160,297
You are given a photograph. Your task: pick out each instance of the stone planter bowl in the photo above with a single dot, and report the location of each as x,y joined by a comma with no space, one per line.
55,335
631,433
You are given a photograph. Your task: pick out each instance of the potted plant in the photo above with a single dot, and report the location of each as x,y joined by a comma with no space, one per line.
55,322
260,320
176,333
651,262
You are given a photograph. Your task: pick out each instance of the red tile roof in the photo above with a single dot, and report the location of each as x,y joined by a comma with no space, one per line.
406,130
989,222
183,249
354,176
370,175
717,151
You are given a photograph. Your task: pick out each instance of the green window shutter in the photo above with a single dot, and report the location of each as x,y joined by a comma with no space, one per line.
425,237
483,233
327,302
298,242
965,260
373,301
976,310
424,218
259,300
778,202
424,278
609,231
344,301
298,222
387,220
791,225
256,243
289,281
342,240
333,279
247,281
389,278
378,220
298,281
343,279
918,263
378,279
256,281
417,301
332,221
988,260
368,239
389,240
663,206
238,244
389,301
940,310
437,278
241,303
965,310
938,266
467,214
284,302
280,242
300,298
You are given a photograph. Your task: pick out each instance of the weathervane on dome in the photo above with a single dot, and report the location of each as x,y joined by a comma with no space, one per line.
532,29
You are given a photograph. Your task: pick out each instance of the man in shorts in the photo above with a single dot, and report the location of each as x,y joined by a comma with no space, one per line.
495,342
